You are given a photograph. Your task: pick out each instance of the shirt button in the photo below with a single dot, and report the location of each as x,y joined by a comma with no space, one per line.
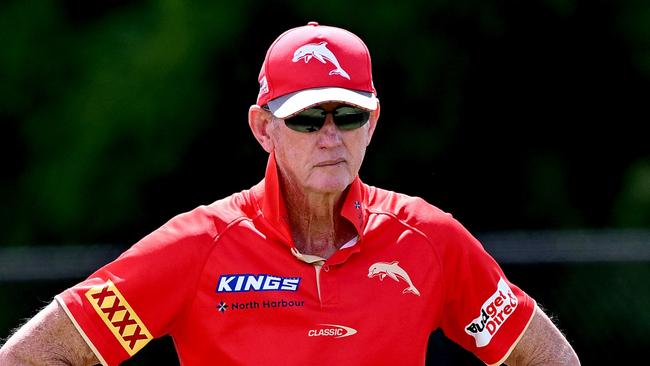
326,268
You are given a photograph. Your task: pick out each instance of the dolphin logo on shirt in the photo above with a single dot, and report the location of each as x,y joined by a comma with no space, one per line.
320,52
394,271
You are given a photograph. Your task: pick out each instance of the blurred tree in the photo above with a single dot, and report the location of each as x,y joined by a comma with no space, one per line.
119,114
101,108
633,204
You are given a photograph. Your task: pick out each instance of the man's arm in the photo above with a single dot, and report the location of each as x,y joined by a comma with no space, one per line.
49,338
542,344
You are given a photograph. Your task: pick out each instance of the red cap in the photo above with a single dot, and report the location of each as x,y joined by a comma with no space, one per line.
312,64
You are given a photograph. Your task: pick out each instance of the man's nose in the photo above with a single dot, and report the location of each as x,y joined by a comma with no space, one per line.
329,134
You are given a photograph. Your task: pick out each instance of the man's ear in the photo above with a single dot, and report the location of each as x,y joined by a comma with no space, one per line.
374,117
259,121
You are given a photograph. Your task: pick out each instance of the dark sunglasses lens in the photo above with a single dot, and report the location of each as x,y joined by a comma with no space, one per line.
310,120
350,118
313,119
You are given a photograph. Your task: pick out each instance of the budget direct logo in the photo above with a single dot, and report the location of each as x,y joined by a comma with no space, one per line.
494,313
332,330
259,282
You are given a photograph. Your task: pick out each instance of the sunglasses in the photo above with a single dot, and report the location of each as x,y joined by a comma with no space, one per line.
345,117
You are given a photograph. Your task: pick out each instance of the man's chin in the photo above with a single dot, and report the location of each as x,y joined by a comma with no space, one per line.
330,186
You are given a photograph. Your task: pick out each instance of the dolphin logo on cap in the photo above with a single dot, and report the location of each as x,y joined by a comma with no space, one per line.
320,52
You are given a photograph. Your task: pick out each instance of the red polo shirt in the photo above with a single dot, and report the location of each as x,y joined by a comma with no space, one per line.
226,282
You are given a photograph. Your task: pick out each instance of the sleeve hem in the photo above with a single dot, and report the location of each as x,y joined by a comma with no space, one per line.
80,330
514,344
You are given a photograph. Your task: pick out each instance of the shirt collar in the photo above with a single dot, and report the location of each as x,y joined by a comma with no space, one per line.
272,205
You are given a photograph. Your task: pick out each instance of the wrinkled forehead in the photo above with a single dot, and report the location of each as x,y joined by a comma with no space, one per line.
330,106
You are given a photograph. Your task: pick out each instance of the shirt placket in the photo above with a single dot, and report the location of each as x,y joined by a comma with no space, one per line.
327,287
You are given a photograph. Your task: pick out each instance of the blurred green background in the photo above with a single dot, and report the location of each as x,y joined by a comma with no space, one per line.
514,116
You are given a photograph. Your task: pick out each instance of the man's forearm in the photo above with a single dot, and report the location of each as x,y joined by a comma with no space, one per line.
49,338
542,344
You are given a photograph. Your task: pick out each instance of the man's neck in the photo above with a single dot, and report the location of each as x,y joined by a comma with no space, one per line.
316,223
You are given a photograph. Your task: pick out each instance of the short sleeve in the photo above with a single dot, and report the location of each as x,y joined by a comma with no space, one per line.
122,306
482,311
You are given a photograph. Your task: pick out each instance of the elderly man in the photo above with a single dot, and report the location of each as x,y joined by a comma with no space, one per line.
310,266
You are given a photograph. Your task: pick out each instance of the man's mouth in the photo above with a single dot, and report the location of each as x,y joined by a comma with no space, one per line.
327,163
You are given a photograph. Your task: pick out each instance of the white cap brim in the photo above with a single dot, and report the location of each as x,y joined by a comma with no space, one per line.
290,104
